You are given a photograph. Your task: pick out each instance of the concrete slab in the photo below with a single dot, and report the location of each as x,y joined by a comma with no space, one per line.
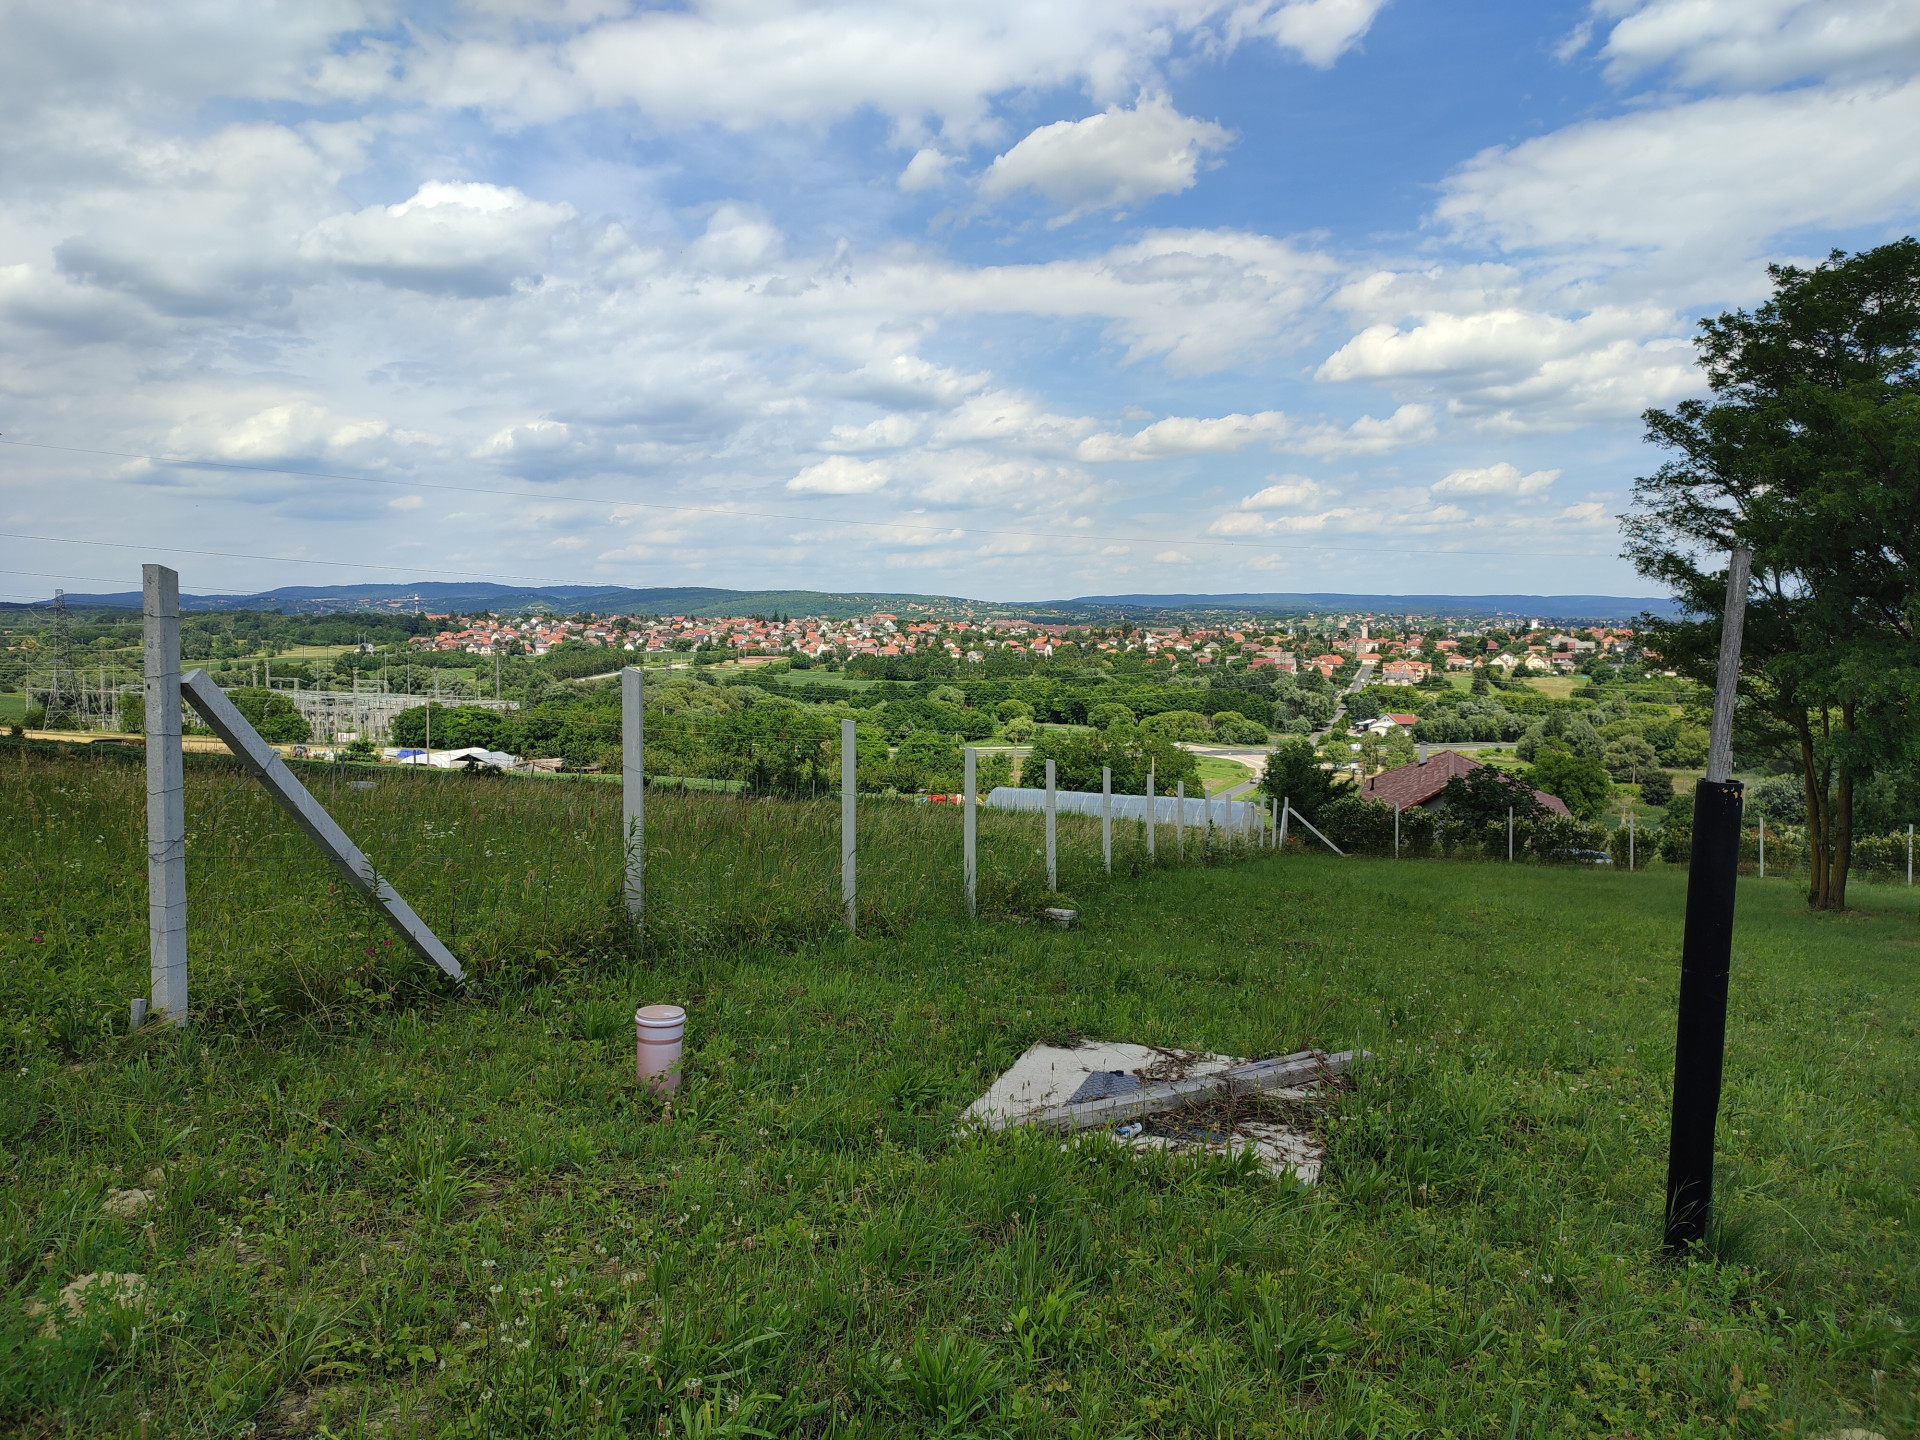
1050,1075
1136,1095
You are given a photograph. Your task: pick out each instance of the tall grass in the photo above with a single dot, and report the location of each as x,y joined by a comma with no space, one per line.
522,877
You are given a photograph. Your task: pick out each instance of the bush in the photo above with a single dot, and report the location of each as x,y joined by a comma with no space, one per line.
1781,798
1656,789
1104,717
272,714
1232,728
1013,710
1579,781
1179,725
1021,729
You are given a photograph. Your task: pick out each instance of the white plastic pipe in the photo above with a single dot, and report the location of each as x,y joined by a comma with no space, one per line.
659,1033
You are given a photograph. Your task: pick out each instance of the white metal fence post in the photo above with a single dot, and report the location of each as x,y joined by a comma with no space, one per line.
1053,875
633,789
969,866
848,763
166,793
1180,819
1106,817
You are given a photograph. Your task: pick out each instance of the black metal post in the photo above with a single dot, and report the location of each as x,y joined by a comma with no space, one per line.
1706,953
1706,946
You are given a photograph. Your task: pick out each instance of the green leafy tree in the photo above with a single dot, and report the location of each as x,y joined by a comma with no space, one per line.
1656,789
1294,773
1809,454
1580,782
1103,717
272,714
1630,758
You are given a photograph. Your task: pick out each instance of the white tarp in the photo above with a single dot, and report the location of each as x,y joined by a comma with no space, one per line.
1233,813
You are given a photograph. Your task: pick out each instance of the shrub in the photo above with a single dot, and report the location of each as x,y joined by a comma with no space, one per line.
1294,774
1021,729
1233,728
1104,717
1013,710
1179,725
1656,789
1578,780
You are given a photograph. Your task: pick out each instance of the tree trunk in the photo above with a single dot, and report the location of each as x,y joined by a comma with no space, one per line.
1816,813
1843,828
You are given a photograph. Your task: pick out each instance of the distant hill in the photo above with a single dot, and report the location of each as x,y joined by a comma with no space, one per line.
696,600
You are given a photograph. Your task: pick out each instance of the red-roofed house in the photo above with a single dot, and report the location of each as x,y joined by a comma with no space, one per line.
1422,783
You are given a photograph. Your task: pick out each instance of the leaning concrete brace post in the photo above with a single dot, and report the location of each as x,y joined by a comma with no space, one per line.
308,813
1180,819
166,793
633,789
969,867
848,762
1706,946
1106,817
1053,873
1323,839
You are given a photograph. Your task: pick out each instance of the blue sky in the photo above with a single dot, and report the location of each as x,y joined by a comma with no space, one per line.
1007,300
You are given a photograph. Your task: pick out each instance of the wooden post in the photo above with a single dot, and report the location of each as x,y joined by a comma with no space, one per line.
1106,817
633,790
1706,947
1053,874
848,762
166,794
968,821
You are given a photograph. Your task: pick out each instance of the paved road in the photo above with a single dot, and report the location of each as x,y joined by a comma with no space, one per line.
1339,711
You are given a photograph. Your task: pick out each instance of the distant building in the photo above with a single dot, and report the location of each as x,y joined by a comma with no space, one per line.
1423,782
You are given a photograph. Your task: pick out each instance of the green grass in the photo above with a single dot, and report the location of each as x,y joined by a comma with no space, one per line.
1218,774
13,707
397,1212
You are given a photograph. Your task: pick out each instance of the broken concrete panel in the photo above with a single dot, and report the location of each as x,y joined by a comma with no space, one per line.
1048,1076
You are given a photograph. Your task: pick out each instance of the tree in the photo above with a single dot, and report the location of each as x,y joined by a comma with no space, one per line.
1809,453
1579,781
1656,789
1630,758
1294,774
273,715
1103,717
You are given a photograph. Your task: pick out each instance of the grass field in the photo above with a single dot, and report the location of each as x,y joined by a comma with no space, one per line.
1221,774
387,1210
13,707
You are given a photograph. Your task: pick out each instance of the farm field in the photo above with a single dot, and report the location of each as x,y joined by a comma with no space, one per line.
382,1209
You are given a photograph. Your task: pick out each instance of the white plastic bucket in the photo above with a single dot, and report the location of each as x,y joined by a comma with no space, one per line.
658,1031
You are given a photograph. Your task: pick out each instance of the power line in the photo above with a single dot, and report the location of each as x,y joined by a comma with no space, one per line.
738,514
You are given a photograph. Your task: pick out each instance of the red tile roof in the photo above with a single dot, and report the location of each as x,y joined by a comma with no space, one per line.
1422,781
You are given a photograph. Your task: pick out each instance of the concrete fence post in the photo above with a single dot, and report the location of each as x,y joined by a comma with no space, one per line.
633,790
1630,857
1153,818
1509,834
1396,832
968,821
1106,817
166,793
1286,810
1180,819
1763,847
1053,873
848,764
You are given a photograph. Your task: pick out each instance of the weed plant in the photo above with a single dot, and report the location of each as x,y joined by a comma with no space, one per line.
404,1212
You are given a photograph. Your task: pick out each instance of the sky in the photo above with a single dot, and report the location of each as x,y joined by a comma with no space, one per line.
1018,301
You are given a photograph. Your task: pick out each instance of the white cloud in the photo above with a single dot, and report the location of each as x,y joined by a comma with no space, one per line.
459,237
839,475
1408,425
406,502
1697,189
1173,557
1499,479
1519,369
1320,31
1107,161
1286,492
1179,435
1748,44
925,171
